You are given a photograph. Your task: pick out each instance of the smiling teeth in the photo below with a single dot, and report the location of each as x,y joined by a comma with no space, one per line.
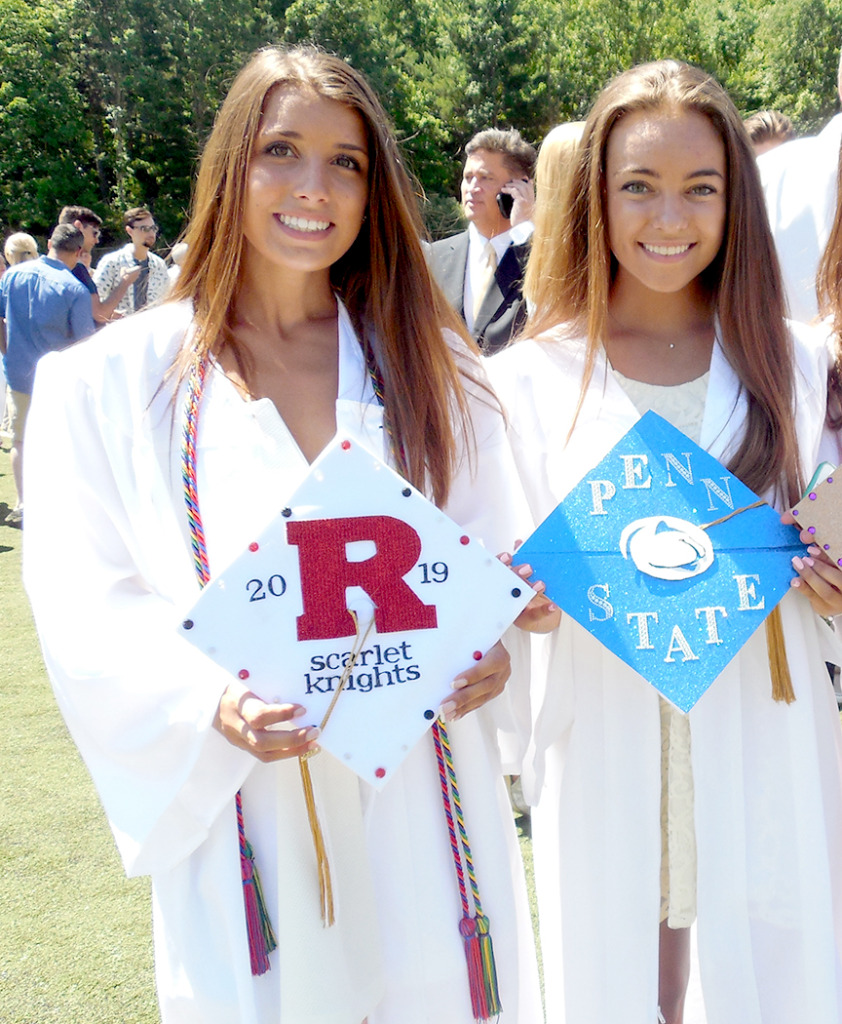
666,250
299,224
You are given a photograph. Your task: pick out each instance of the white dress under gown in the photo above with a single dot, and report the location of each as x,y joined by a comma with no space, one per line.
767,775
109,570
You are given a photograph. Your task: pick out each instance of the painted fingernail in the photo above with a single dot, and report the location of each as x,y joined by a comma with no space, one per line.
448,710
524,570
458,683
312,734
795,582
299,711
797,563
506,558
810,562
814,550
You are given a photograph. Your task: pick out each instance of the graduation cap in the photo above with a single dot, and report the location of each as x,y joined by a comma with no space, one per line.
820,511
359,584
666,558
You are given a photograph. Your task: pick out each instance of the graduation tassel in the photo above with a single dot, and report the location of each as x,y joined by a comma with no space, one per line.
258,926
474,929
778,665
322,862
482,970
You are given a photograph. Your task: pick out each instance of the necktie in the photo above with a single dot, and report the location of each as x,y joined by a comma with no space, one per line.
485,276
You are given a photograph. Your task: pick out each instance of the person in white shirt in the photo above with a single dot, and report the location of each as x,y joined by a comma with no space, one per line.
151,285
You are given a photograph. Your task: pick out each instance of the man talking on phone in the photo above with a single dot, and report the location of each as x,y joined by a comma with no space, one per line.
481,270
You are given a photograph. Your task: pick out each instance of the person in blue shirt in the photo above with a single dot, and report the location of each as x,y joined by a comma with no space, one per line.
43,308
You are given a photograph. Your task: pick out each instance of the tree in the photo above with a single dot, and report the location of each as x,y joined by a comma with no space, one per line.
160,69
794,60
46,142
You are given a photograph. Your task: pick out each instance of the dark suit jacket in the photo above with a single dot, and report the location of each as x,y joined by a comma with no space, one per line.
503,311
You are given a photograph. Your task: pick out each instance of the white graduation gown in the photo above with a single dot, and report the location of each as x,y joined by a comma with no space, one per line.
767,776
108,568
799,185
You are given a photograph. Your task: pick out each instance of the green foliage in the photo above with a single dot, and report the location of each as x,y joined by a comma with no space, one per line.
108,102
160,72
45,137
794,59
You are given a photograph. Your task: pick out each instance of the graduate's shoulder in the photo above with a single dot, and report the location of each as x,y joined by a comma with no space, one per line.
139,347
528,364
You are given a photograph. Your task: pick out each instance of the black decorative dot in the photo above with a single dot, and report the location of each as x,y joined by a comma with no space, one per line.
188,624
286,512
516,592
406,492
429,715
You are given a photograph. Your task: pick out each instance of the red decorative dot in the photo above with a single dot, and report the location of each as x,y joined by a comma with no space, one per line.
464,540
253,546
243,673
477,655
380,773
345,446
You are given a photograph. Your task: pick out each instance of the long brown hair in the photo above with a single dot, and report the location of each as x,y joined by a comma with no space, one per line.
395,307
743,280
829,294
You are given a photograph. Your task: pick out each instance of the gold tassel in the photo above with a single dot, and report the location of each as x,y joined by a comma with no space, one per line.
781,680
322,863
325,884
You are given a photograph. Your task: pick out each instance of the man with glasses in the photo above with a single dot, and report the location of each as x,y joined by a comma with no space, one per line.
151,284
90,224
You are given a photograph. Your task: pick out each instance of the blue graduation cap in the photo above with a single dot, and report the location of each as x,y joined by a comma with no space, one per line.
666,558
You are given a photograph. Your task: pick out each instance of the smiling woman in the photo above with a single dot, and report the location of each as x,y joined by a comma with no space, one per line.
304,308
308,185
661,291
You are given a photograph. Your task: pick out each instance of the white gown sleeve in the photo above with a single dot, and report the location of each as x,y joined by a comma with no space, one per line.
138,700
487,499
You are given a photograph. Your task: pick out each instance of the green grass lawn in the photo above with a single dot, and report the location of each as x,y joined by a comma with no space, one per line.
76,944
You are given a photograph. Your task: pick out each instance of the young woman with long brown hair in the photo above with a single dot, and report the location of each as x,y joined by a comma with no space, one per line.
663,293
304,297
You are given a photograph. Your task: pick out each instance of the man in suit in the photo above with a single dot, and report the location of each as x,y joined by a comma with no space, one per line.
481,270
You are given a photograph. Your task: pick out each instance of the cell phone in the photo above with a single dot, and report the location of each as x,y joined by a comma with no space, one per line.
505,202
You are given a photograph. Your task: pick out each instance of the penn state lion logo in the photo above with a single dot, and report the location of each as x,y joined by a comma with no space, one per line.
667,548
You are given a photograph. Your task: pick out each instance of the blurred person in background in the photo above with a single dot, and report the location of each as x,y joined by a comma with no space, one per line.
150,283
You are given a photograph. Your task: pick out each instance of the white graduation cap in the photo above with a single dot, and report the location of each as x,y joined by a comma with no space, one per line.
427,600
